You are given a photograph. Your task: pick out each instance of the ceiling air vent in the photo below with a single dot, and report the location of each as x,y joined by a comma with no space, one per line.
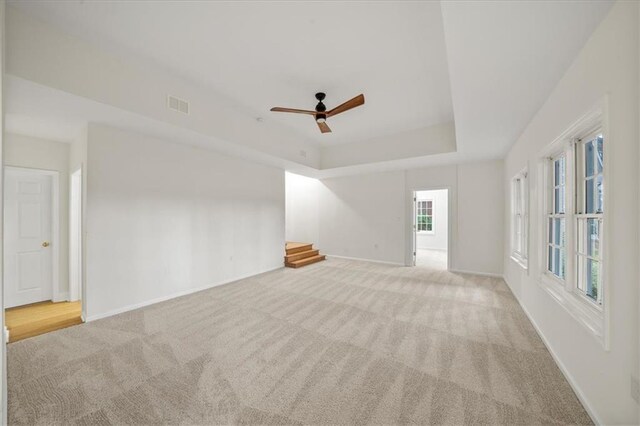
178,104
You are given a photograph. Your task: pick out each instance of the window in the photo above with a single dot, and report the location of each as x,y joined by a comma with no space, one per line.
589,213
520,219
556,218
424,215
573,260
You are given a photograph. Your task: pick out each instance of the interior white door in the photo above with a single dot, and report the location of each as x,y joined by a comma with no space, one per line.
28,257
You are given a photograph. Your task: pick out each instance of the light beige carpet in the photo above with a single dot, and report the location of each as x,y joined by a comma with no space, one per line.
339,342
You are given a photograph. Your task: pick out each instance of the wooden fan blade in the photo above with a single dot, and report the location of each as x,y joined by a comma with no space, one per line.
296,111
324,127
352,103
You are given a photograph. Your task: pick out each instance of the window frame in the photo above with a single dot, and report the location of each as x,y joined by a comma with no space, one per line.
433,227
520,216
551,214
580,197
595,318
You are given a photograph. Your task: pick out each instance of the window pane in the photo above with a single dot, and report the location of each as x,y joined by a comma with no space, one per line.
556,262
599,154
589,194
550,260
589,157
558,173
559,200
599,195
550,237
593,237
429,227
593,278
559,232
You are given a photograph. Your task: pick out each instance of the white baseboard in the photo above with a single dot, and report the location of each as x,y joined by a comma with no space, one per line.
365,260
169,297
484,274
572,382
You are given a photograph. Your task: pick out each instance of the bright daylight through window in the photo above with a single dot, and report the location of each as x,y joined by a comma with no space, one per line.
424,216
520,219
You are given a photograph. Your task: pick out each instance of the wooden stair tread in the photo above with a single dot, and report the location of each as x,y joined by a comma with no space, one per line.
294,245
293,248
306,261
301,255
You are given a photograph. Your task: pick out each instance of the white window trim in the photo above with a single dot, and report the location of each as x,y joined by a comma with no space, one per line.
550,208
522,259
595,318
579,195
433,221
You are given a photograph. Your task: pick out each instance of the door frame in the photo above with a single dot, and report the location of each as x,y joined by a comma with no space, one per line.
414,233
75,236
55,225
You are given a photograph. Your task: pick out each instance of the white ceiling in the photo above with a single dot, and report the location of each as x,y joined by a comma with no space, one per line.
505,58
265,54
487,65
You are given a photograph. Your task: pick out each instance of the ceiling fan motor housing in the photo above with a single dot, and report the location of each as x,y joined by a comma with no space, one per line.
320,107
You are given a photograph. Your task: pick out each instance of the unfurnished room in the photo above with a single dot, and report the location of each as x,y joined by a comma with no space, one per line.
320,212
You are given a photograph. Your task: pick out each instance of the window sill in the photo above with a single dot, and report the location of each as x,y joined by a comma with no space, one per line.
590,317
523,263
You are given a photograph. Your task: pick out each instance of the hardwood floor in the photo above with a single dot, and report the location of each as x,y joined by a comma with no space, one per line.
39,318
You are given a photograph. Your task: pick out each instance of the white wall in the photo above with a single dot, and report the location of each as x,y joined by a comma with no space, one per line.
370,216
363,216
438,239
607,65
469,185
25,151
301,194
165,219
480,222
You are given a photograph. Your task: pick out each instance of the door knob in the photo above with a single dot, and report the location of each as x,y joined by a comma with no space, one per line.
45,244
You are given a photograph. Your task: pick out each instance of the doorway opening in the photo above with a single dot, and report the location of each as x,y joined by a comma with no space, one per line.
37,295
431,229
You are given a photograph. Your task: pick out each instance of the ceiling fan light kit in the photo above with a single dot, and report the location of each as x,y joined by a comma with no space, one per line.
321,114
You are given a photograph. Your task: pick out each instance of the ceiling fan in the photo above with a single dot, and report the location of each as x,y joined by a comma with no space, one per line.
321,114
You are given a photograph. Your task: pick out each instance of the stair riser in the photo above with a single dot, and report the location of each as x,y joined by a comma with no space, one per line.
298,256
305,263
